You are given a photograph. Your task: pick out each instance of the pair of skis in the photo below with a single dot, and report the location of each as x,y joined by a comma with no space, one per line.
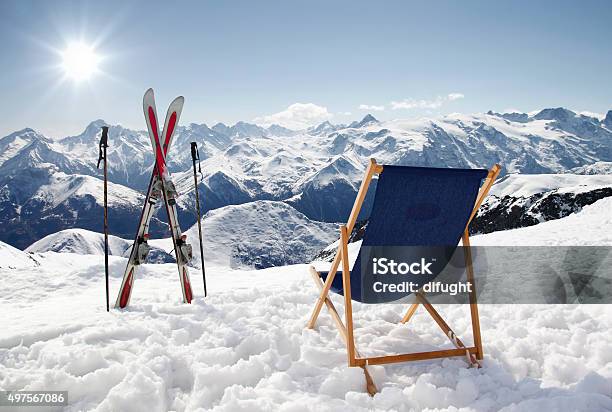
160,187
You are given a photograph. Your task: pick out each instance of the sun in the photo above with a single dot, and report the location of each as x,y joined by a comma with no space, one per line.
80,61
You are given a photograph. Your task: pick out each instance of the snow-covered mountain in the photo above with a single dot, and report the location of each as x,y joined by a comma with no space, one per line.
39,201
597,168
591,226
258,234
526,200
80,241
317,170
13,258
86,242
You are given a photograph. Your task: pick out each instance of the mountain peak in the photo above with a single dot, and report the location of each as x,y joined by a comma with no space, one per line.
94,127
608,120
513,116
278,130
221,128
198,127
246,125
557,113
27,130
246,129
27,133
324,127
98,123
367,119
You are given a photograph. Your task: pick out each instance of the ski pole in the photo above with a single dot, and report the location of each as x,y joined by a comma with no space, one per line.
196,156
102,156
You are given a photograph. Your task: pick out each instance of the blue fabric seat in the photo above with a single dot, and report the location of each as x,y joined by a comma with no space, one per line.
416,206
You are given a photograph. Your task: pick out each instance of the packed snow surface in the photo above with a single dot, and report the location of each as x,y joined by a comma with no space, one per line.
245,346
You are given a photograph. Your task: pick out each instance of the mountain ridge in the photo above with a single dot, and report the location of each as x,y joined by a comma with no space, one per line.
317,171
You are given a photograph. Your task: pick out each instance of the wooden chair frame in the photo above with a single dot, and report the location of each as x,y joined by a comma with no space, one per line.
473,353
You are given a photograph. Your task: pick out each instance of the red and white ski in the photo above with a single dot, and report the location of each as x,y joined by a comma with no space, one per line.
160,186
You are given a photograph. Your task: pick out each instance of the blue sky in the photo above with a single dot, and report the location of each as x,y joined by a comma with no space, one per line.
246,60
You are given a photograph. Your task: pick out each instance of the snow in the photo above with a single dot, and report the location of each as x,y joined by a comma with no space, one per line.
597,168
12,144
353,251
339,168
245,347
79,241
258,233
521,185
63,187
126,147
245,163
592,226
248,153
249,235
11,258
17,144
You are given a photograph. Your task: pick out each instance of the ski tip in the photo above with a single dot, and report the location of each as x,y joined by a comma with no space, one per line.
148,96
148,99
179,100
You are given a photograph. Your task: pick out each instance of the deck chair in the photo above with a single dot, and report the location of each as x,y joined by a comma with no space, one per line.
454,196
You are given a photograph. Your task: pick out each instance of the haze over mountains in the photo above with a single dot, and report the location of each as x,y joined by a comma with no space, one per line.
48,185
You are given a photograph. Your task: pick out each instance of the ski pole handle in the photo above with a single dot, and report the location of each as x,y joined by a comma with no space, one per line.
195,155
103,145
194,151
104,137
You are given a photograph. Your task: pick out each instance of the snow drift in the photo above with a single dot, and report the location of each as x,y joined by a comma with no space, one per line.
245,346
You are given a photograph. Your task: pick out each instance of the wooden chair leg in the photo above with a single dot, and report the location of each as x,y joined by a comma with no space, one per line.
330,306
473,303
348,303
325,290
411,310
370,385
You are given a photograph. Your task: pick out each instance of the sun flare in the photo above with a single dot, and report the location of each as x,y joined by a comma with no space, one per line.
80,61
